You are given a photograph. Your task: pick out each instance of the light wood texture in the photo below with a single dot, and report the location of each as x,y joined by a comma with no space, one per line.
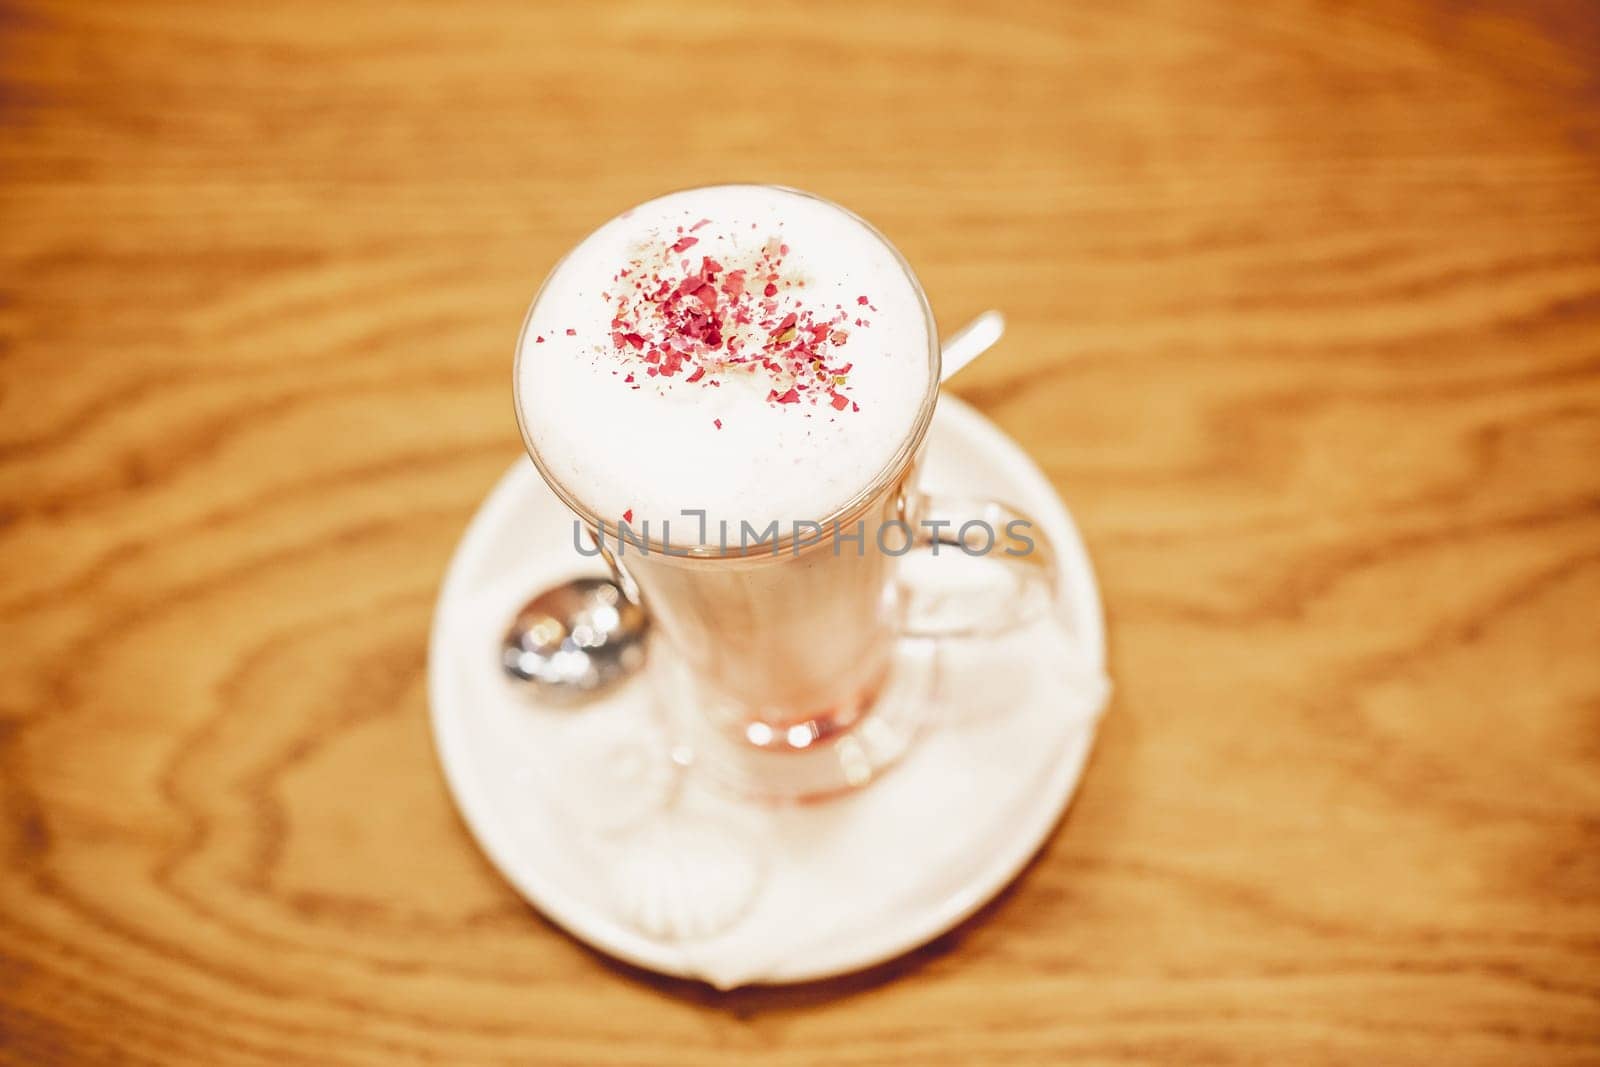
1305,323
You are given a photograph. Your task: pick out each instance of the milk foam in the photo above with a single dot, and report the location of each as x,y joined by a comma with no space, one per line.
628,428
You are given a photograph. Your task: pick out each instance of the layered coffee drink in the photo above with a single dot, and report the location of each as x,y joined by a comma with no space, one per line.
729,386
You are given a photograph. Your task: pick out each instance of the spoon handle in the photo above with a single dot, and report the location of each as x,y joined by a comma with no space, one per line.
970,342
624,580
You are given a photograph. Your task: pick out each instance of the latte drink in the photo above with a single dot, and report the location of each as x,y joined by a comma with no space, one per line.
729,385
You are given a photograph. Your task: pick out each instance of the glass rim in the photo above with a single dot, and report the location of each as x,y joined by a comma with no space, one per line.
897,463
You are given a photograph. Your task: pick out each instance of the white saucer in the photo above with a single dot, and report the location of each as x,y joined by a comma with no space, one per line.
587,817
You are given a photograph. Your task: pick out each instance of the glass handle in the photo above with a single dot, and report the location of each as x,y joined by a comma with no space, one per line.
981,567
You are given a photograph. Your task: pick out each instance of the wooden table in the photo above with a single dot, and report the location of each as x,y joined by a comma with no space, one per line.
1305,324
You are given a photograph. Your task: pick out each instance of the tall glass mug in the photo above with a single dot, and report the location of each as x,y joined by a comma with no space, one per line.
802,663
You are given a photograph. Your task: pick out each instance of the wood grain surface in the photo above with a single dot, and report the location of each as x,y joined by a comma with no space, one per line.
1305,307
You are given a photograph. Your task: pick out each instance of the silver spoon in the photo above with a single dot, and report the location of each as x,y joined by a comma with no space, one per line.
580,638
575,639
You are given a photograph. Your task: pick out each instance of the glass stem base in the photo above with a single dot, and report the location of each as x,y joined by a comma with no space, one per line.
803,760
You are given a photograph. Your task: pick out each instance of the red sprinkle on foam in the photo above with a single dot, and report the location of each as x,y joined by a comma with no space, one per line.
627,516
695,324
539,339
861,300
718,423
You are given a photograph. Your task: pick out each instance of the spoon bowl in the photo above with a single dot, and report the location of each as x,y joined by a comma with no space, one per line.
576,640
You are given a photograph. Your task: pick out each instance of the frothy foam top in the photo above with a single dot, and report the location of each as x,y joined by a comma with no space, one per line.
756,353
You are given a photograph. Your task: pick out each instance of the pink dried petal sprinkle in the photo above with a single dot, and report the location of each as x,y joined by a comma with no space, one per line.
689,324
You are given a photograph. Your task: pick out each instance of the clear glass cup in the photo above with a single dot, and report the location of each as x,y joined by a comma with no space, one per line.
803,666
